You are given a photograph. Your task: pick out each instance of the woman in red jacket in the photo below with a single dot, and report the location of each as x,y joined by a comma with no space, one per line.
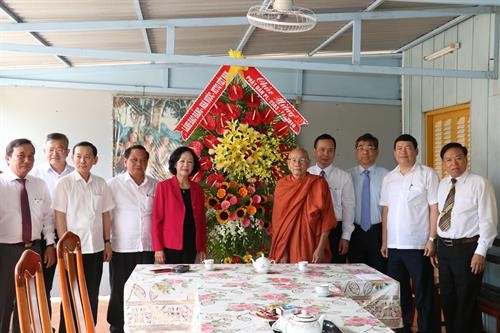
179,226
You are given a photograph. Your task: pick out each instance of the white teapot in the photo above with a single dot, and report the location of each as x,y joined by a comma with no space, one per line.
302,322
262,264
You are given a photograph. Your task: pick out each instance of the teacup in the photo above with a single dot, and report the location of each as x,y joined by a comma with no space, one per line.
302,265
322,290
209,264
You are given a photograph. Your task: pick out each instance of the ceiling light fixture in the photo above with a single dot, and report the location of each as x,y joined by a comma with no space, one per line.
448,49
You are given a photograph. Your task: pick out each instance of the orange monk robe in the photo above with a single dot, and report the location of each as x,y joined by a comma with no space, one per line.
302,211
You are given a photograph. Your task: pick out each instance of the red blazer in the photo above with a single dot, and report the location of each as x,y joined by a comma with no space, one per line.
168,216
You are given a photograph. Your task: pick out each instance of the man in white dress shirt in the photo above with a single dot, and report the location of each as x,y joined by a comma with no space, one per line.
367,177
18,234
342,191
133,193
467,227
54,168
82,204
409,213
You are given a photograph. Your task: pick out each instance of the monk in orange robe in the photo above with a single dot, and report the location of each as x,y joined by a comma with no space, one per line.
303,214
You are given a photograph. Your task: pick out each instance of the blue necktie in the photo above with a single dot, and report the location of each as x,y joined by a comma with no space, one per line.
366,220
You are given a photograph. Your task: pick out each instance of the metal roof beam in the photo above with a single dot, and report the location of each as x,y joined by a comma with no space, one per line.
280,64
344,28
14,18
433,33
140,17
456,2
251,28
179,91
228,21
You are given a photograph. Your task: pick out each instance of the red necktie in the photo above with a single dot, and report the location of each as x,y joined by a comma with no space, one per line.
25,212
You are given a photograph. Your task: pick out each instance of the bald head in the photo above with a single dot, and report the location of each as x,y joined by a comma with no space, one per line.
298,162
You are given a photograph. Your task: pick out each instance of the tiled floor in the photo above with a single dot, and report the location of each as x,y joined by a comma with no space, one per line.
102,324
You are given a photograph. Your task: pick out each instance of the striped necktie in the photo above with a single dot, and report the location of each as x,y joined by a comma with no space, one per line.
445,220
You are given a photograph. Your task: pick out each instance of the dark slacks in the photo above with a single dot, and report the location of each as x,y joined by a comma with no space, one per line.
334,238
365,247
180,256
459,288
92,265
48,276
120,268
403,265
9,256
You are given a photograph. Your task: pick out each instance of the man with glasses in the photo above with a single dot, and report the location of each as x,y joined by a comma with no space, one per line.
367,177
302,214
55,167
342,192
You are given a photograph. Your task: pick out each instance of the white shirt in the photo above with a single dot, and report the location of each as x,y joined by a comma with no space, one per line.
131,217
49,175
408,198
377,175
83,203
474,211
342,191
42,220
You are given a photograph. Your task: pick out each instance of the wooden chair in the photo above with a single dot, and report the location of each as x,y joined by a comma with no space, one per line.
75,298
489,299
32,305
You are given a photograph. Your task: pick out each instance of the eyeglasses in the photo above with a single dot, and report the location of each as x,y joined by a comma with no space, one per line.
299,160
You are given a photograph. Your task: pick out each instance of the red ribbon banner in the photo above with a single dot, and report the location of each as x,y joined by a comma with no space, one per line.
276,101
262,86
203,103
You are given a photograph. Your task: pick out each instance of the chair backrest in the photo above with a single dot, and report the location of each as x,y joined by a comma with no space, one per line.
32,303
75,298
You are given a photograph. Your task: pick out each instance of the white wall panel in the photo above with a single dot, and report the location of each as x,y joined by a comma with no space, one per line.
464,61
450,62
438,81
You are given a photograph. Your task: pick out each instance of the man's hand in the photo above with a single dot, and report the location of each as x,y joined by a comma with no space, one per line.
108,252
430,249
383,250
159,257
478,263
343,247
435,261
318,254
284,258
49,256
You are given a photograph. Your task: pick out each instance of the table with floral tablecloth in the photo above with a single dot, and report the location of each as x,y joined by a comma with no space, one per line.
227,298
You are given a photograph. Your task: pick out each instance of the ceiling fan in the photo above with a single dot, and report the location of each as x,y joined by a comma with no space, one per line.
281,16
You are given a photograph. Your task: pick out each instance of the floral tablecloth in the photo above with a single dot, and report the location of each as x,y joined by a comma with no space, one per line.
227,298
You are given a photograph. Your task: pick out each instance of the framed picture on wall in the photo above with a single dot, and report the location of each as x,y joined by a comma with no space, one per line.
148,121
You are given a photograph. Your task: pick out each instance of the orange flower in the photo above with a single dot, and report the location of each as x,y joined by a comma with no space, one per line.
221,193
251,210
243,191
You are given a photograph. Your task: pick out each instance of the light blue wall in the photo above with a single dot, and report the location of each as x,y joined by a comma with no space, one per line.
477,49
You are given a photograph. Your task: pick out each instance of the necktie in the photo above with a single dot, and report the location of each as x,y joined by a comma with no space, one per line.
445,220
25,212
322,173
366,219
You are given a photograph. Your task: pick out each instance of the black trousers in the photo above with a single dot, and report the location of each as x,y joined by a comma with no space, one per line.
459,288
92,264
48,276
120,268
9,256
403,265
180,256
365,247
334,239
